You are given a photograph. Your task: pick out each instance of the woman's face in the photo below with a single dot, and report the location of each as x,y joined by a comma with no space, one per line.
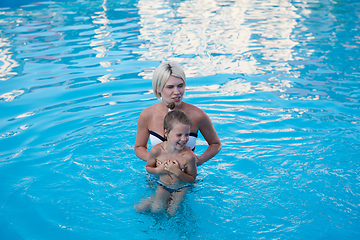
173,91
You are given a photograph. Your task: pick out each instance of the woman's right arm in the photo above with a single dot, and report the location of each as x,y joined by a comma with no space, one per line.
142,136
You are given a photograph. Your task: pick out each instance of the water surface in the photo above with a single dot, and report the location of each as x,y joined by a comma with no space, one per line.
279,80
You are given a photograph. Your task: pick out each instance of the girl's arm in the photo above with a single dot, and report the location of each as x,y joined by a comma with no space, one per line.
151,162
189,175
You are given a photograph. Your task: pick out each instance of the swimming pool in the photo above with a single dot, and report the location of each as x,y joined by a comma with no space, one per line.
279,79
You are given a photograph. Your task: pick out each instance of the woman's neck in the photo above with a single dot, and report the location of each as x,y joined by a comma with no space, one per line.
165,106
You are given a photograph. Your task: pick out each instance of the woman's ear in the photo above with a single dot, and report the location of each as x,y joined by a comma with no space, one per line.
158,91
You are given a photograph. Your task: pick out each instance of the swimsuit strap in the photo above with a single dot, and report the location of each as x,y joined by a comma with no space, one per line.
193,134
158,136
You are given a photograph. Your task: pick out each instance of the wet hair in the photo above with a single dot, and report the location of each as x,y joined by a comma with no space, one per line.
162,74
171,106
173,117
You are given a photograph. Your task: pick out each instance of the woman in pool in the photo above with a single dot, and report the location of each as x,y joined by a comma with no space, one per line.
173,162
169,84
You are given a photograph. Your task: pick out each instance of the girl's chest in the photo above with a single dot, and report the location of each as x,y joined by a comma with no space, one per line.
165,157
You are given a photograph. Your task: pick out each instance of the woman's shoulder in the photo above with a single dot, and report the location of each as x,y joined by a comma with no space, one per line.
193,111
192,108
151,107
149,111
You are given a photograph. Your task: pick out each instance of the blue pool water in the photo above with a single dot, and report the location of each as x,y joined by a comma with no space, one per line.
279,79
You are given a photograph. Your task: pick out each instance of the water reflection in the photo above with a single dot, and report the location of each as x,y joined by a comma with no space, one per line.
7,69
281,88
211,37
100,44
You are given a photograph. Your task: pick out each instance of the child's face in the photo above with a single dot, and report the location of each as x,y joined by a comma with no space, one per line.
178,136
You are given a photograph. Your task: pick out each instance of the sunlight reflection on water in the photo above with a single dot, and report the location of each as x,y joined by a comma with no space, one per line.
211,37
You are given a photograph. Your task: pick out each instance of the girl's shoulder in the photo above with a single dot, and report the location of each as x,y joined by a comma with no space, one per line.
188,154
158,148
190,158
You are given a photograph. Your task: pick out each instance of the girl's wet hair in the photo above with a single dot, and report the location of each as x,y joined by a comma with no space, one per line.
173,117
171,106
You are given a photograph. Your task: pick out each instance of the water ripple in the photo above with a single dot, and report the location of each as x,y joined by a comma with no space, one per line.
279,80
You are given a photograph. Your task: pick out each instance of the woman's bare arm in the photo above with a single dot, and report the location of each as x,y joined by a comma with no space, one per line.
209,133
142,136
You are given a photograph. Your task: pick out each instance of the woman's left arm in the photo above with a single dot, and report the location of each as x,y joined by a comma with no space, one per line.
209,133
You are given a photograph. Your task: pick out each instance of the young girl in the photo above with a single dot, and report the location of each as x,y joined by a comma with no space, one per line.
173,162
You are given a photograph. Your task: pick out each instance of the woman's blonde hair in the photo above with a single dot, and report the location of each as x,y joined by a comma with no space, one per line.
162,74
